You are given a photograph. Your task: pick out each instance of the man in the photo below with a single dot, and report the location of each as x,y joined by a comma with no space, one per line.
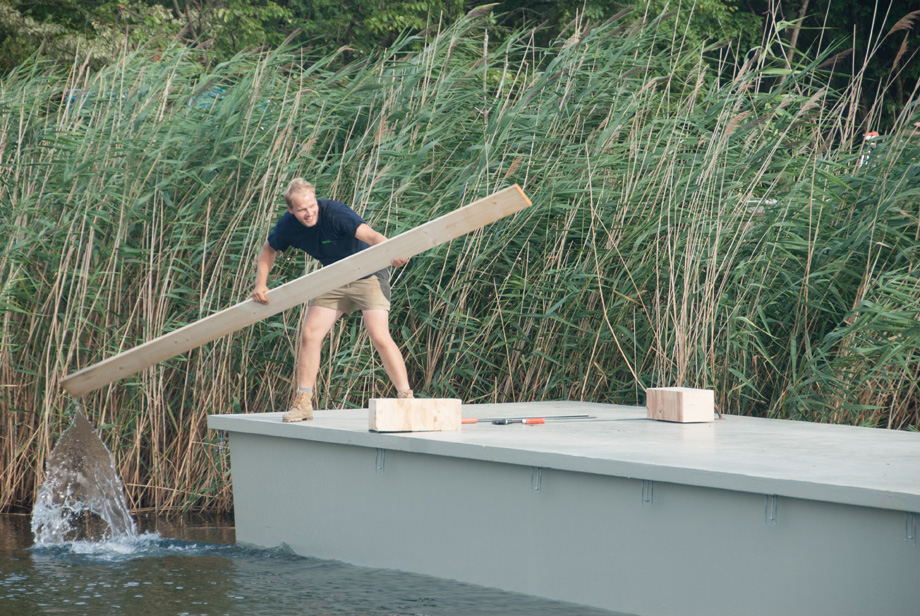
330,231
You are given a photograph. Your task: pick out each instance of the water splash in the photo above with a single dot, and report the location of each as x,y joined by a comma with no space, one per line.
82,498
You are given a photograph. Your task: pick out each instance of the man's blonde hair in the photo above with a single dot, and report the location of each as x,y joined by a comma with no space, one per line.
296,187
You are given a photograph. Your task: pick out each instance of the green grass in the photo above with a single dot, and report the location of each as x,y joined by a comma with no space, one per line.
688,228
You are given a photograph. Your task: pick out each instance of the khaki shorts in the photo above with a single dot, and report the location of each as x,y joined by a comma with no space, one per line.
371,293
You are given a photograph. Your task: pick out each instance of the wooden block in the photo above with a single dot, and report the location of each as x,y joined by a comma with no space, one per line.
414,415
680,404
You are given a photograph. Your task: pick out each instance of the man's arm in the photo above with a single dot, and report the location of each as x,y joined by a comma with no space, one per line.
263,265
372,238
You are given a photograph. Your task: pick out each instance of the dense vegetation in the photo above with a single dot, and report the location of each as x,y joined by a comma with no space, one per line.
688,228
870,46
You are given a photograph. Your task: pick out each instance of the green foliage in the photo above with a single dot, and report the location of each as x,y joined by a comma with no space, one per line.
71,31
878,46
364,26
67,31
708,21
231,26
687,228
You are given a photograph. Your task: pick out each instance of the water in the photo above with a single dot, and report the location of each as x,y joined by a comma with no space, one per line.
82,497
81,553
169,568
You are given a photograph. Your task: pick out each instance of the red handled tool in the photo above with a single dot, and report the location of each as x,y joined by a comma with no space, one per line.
525,420
504,421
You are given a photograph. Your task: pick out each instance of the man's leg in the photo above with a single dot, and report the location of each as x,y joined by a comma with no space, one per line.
377,323
316,325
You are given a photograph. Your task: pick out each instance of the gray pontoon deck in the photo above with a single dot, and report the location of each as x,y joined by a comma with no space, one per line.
737,516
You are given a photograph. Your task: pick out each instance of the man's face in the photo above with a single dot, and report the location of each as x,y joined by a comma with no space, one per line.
304,208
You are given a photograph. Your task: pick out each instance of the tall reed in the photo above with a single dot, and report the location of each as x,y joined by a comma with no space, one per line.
688,228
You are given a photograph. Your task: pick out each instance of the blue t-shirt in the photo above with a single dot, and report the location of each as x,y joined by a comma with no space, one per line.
331,239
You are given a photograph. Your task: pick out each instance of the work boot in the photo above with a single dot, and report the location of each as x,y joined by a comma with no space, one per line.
405,394
301,410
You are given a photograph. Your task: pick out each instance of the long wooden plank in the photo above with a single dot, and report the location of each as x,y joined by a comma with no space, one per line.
459,222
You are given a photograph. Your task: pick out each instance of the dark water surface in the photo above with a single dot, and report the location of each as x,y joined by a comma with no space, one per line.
195,568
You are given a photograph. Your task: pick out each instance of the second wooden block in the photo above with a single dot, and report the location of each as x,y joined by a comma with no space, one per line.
680,404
